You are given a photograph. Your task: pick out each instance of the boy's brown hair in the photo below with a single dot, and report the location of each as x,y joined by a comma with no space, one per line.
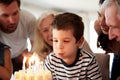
67,21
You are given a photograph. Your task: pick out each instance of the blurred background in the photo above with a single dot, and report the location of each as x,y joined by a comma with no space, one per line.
87,9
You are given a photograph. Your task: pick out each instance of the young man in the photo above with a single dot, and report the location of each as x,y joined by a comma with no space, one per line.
16,26
68,62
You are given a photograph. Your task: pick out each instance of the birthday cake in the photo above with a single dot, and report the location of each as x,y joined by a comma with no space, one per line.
35,71
30,75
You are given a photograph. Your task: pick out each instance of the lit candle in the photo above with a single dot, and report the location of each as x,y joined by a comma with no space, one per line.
35,70
31,62
24,61
37,64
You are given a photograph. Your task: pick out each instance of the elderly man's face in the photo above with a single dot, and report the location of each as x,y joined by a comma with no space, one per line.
112,15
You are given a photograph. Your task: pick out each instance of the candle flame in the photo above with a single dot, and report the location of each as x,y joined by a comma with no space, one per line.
24,60
34,60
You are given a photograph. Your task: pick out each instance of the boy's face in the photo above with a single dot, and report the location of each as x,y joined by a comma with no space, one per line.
64,44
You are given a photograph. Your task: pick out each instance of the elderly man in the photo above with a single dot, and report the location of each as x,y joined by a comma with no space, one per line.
112,16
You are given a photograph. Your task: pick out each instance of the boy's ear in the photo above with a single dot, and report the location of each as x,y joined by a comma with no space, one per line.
80,42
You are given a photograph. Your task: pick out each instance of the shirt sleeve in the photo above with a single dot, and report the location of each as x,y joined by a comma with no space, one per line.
93,69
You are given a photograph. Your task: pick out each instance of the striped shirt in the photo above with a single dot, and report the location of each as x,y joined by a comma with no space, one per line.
84,67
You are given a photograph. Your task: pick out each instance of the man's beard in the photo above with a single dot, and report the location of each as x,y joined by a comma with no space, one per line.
115,46
6,29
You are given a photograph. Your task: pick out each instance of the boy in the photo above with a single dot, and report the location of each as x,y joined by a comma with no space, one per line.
68,62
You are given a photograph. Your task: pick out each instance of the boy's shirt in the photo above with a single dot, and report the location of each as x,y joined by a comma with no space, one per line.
84,67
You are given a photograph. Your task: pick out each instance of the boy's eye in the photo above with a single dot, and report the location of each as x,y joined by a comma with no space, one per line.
55,40
66,41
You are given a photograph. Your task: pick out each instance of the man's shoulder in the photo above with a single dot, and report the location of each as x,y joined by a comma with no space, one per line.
24,14
27,19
